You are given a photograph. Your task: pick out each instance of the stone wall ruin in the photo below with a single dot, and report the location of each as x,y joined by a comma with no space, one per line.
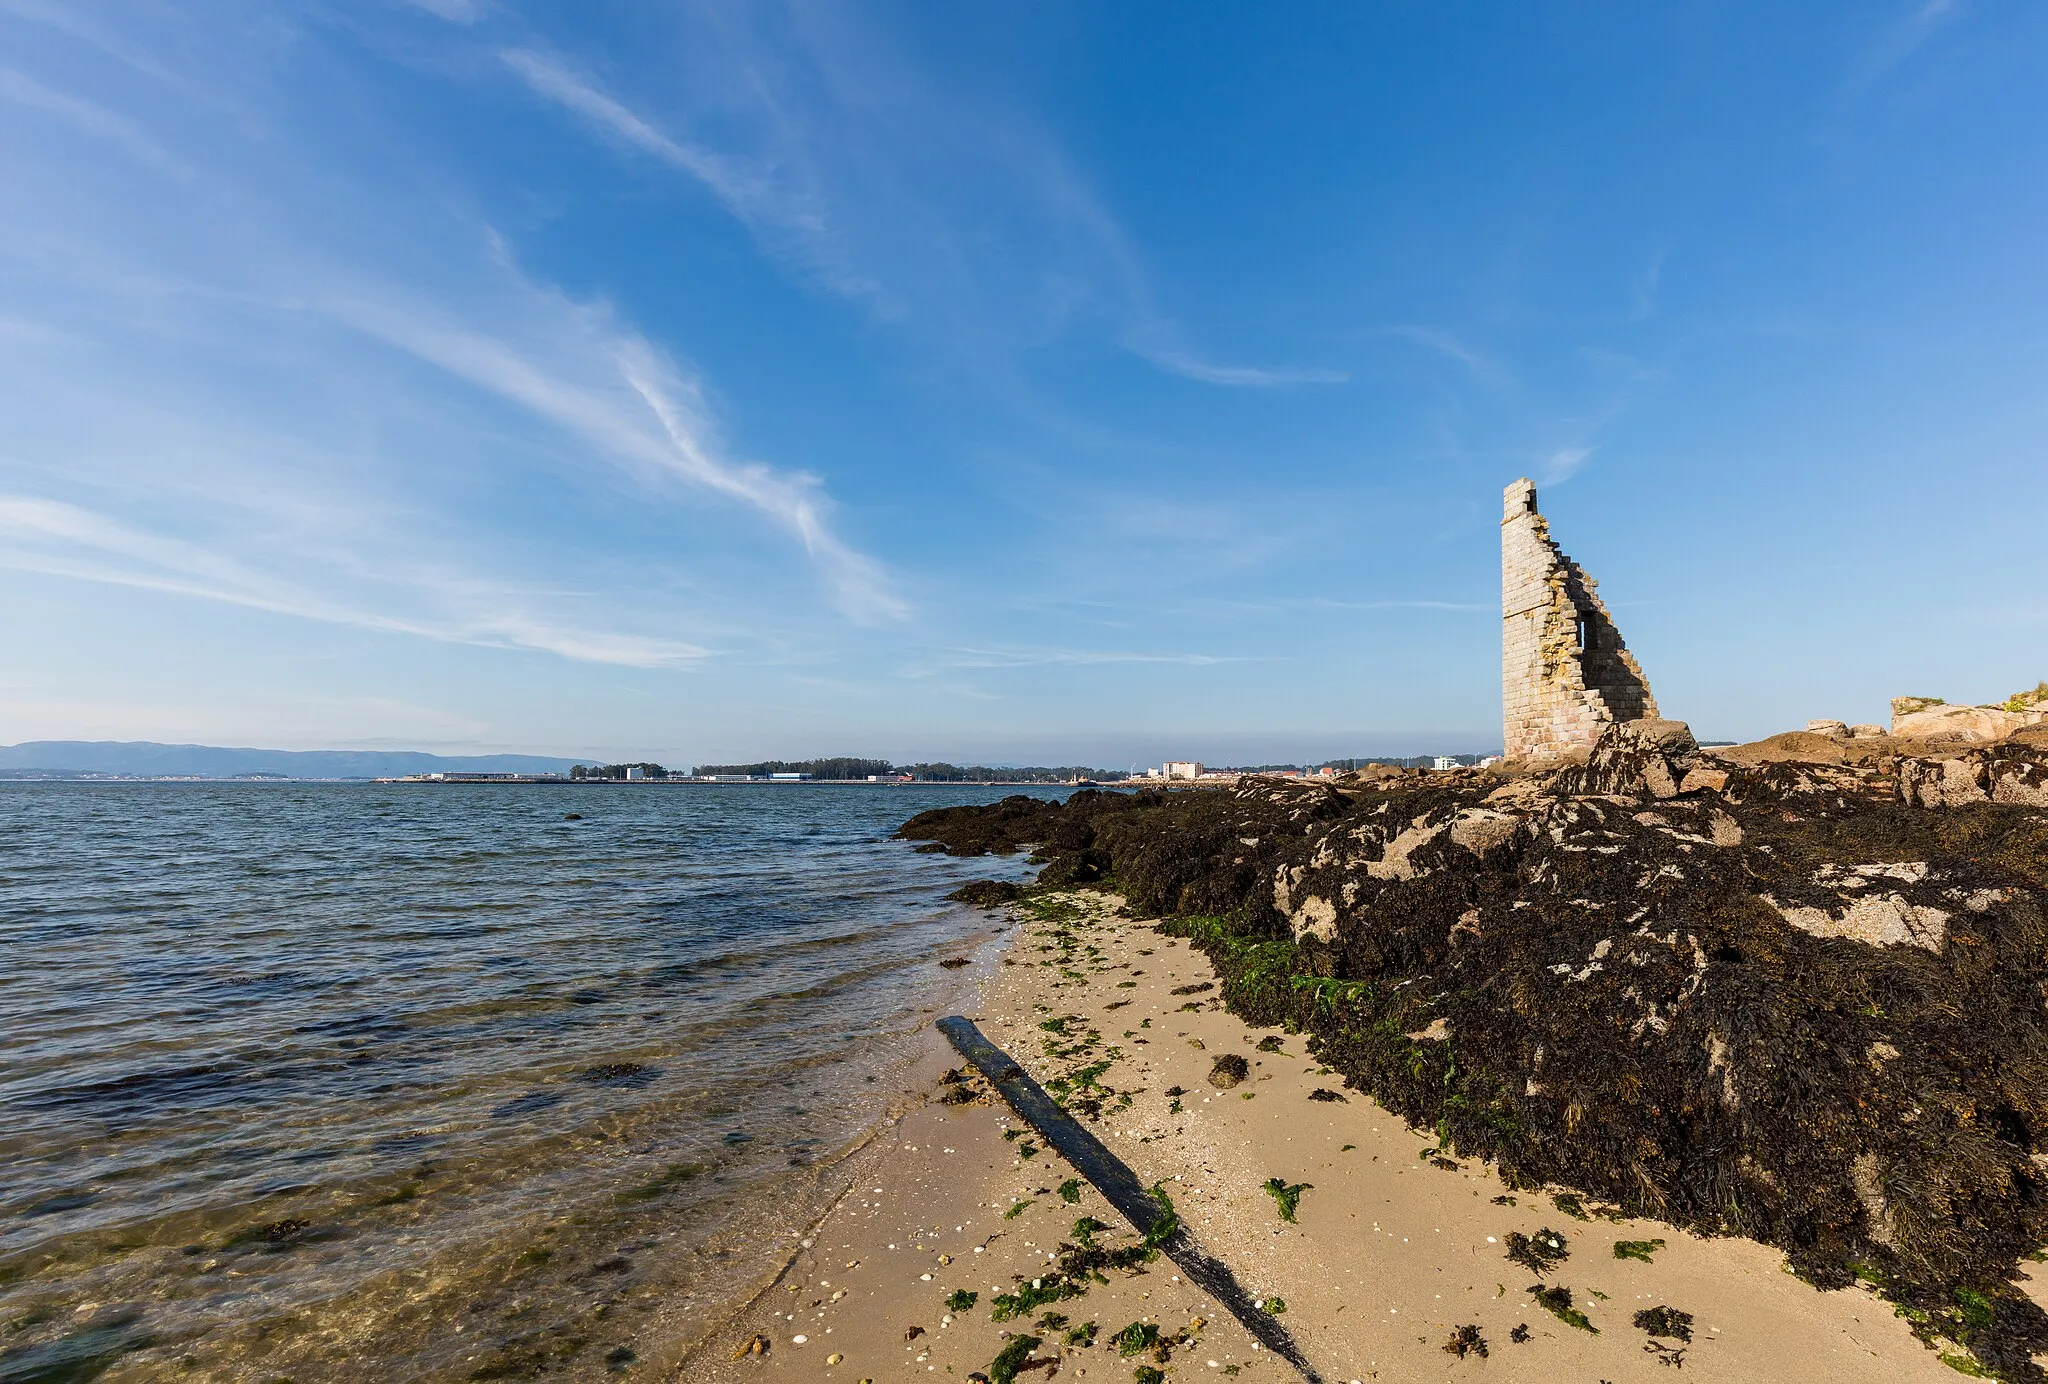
1565,673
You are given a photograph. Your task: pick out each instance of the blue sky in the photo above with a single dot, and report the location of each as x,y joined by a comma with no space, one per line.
1043,382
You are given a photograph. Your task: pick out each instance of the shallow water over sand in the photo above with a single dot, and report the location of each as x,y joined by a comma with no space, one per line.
308,1081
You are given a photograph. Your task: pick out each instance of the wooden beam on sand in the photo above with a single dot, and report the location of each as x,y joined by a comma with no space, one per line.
1114,1179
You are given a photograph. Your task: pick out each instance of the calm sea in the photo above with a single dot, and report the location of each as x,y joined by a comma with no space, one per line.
338,1081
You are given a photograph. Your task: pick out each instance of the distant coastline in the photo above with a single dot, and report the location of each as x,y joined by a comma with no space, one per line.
101,761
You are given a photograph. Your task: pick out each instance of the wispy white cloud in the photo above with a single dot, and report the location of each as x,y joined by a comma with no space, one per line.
1447,344
1078,658
620,394
843,190
1643,286
59,539
87,118
454,11
1263,377
1889,48
746,192
1565,463
1291,604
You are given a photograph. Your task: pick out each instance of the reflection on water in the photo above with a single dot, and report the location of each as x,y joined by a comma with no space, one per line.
295,1078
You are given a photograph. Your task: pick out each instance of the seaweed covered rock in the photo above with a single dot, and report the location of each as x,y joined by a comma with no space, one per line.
986,893
1799,1001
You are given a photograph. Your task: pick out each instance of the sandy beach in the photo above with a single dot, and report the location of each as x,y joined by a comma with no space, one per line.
1393,1252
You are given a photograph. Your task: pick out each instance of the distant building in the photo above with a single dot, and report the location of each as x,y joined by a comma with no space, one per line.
1327,771
1181,769
1489,761
634,771
890,778
788,778
1445,761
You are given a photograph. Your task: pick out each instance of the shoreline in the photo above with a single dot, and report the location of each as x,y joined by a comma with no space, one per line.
1391,1255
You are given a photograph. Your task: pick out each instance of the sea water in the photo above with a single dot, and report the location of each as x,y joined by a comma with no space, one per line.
310,1081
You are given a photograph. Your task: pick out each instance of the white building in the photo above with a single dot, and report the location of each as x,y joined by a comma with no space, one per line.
1444,761
1181,769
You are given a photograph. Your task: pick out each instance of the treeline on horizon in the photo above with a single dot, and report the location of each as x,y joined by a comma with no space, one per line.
938,772
848,767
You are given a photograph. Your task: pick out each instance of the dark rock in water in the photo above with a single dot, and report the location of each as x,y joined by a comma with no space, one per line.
1790,1000
1000,828
1229,1070
527,1104
572,816
986,893
618,1074
68,1201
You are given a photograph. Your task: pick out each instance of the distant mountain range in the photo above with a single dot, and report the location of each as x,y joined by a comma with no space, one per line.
147,759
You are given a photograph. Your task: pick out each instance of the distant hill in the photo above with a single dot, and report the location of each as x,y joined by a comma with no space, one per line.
145,758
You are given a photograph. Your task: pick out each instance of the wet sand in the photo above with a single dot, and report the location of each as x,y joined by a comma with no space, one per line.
1390,1255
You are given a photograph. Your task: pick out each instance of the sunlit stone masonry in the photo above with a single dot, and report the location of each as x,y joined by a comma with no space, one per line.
1565,674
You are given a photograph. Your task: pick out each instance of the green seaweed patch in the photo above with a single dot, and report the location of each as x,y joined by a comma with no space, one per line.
1166,1224
1558,1303
1976,1309
1148,1374
1017,1208
1136,1339
1081,1336
1070,1191
1637,1249
1003,1369
1286,1196
962,1300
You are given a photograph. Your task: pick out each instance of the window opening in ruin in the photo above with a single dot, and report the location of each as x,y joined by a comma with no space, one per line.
1583,646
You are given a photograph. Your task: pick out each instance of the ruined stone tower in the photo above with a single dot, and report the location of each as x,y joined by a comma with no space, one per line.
1565,675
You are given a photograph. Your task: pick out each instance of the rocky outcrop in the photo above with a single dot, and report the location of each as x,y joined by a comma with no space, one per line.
1934,722
1793,1000
2011,774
